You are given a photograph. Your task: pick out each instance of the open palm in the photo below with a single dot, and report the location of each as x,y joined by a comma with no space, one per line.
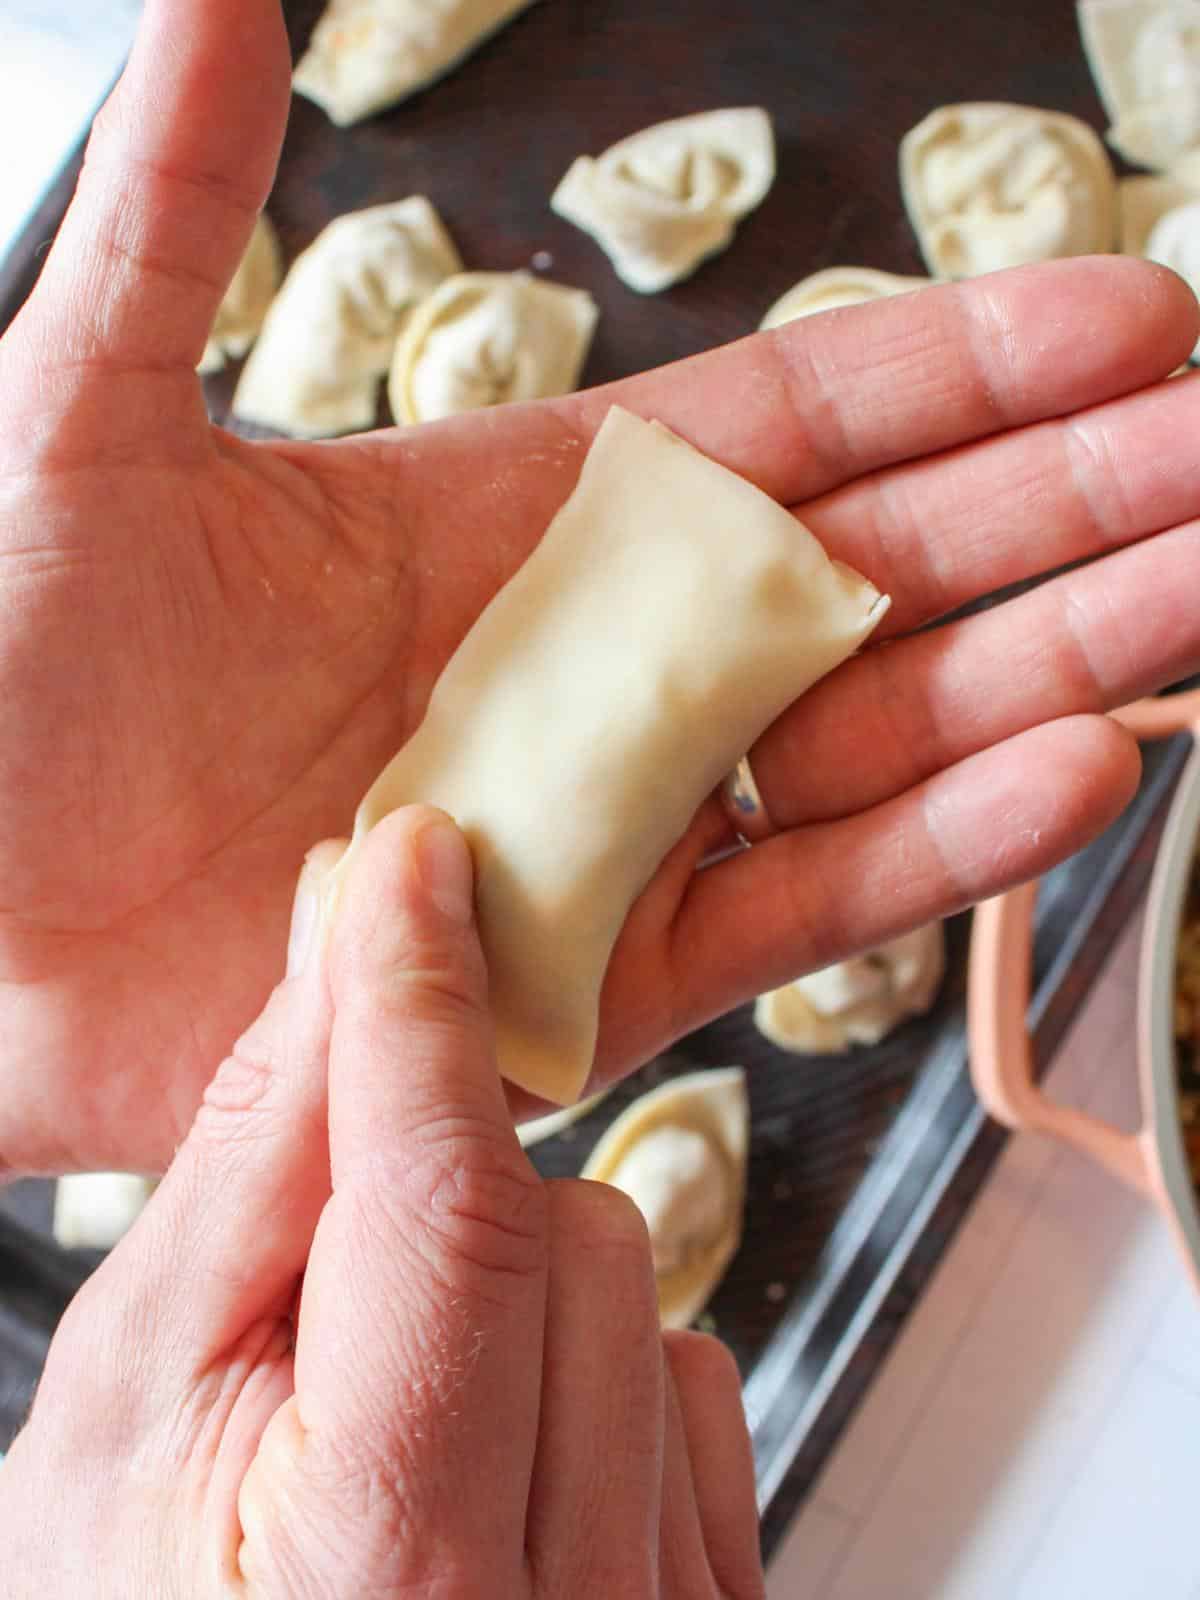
208,648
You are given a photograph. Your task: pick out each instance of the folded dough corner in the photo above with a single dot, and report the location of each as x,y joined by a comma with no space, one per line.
670,613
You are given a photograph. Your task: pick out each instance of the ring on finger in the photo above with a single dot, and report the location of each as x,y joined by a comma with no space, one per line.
743,804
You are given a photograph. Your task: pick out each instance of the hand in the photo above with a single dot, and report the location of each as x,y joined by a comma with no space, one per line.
469,1396
209,648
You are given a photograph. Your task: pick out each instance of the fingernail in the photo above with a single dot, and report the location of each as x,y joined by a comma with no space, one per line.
306,919
446,869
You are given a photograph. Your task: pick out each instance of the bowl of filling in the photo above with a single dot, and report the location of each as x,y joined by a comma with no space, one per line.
1161,1158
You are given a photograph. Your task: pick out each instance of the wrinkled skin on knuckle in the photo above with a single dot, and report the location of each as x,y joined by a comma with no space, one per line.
466,1200
248,1090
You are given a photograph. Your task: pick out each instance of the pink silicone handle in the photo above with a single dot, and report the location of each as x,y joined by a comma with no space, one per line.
998,980
1001,1051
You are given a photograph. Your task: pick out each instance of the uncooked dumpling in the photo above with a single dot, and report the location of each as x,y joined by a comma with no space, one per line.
663,199
680,1153
837,286
368,54
247,300
92,1210
1145,59
329,336
539,1128
483,338
671,612
990,185
858,1001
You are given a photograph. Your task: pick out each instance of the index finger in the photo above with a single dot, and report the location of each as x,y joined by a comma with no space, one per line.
418,1354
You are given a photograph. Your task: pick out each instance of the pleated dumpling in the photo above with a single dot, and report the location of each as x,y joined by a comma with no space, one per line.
328,339
483,338
663,199
92,1210
368,54
247,300
858,1001
1145,59
680,1154
989,185
837,286
669,614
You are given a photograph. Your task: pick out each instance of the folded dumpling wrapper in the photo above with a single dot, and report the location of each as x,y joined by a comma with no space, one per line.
670,613
858,1001
989,185
365,55
837,286
660,201
554,1122
247,300
680,1154
328,338
484,338
92,1210
1145,60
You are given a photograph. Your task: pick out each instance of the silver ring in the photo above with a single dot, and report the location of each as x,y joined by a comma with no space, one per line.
744,804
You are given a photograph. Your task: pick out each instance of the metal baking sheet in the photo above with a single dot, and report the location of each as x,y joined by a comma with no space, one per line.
862,1165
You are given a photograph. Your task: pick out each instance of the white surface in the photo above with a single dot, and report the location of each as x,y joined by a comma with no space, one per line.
57,59
1036,1431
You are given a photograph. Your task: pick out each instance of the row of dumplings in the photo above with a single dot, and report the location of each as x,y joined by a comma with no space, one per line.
989,185
383,293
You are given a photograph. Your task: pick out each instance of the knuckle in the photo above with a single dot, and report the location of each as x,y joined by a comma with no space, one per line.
472,1208
483,1206
244,1095
600,1224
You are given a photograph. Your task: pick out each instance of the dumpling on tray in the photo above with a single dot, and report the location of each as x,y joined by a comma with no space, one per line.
680,1154
660,201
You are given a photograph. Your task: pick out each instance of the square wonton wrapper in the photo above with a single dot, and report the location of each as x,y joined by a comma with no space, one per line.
670,613
662,200
365,55
1145,60
328,338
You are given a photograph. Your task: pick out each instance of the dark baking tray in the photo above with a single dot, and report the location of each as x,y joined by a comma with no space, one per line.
861,1166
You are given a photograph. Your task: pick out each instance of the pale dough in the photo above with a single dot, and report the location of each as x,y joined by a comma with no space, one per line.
92,1210
989,185
365,55
670,613
680,1153
663,199
247,300
483,338
858,1001
539,1128
1145,59
837,286
328,339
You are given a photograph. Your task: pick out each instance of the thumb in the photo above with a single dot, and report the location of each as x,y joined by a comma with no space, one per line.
178,164
419,1343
